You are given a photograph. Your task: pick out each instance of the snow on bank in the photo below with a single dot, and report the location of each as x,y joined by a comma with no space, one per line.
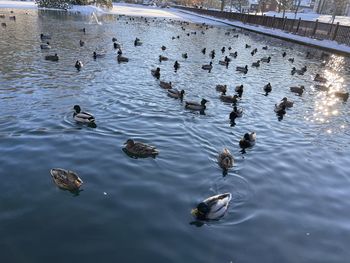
325,44
343,20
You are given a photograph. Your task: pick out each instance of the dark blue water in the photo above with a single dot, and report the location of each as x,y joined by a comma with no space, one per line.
290,192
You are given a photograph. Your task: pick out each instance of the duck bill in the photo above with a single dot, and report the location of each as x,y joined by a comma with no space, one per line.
78,183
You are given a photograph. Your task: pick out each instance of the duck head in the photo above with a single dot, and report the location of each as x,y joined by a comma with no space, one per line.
77,108
129,143
203,102
246,67
201,210
246,136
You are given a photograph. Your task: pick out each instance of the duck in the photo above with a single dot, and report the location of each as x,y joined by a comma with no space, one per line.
280,111
298,90
140,149
120,52
12,18
225,159
265,47
156,73
221,88
82,30
204,50
228,98
256,64
184,55
45,46
223,63
247,46
81,43
163,48
95,55
284,54
266,59
176,94
267,88
223,50
299,71
52,57
137,42
162,58
116,45
195,105
114,39
44,37
78,64
242,69
284,102
3,24
342,95
291,60
176,65
122,59
322,87
236,113
248,140
66,179
165,85
239,89
82,117
319,78
212,54
304,69
234,54
236,36
208,66
212,208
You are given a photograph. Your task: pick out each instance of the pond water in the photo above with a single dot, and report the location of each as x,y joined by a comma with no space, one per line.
290,191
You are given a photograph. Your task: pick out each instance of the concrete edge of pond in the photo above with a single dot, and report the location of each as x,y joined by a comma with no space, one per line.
249,28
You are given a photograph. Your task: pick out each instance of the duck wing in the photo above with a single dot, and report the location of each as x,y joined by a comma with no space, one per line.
144,149
218,205
84,117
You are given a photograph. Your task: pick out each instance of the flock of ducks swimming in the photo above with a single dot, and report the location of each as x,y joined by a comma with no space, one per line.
214,207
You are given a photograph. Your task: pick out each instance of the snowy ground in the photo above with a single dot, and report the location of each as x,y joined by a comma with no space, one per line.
138,10
343,20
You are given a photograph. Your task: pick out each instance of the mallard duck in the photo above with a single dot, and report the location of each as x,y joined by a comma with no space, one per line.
284,54
342,95
204,50
221,88
208,66
247,46
234,54
284,102
298,71
184,55
248,140
267,88
304,69
12,17
212,54
140,149
45,46
223,49
266,59
254,51
162,58
176,65
265,48
242,69
195,105
44,37
165,85
236,36
82,117
223,62
82,30
236,113
116,45
114,39
137,42
298,90
239,88
81,43
225,159
65,179
78,64
212,208
176,94
52,57
156,73
122,59
319,78
280,111
291,60
163,48
228,98
256,64
95,55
